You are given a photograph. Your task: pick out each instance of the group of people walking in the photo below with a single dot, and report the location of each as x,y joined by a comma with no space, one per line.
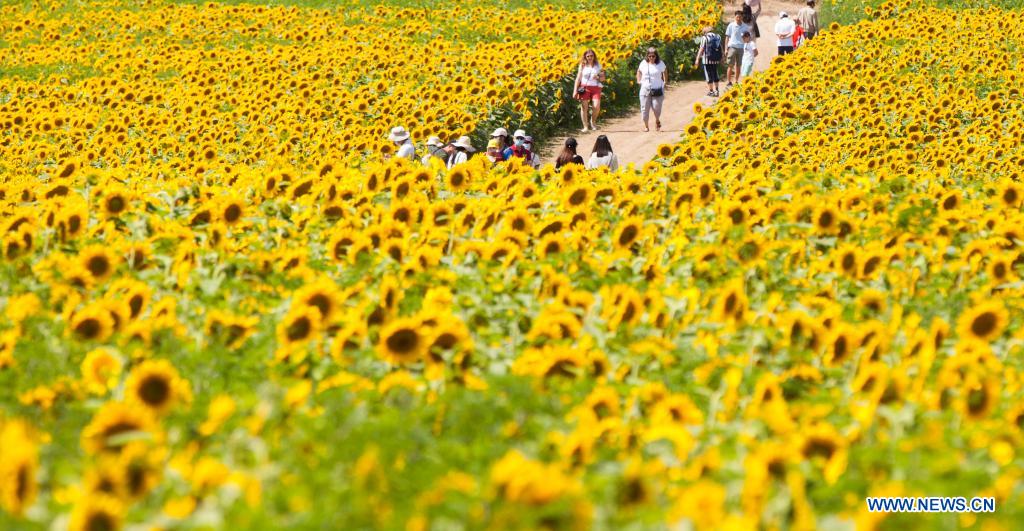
737,50
500,148
740,47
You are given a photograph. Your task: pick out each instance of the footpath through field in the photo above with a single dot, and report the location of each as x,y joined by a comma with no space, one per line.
629,141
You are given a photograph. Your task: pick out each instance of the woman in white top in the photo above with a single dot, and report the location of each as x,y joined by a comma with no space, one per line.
602,155
462,150
652,74
587,89
755,11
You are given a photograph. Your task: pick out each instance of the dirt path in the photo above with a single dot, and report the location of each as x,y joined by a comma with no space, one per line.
629,141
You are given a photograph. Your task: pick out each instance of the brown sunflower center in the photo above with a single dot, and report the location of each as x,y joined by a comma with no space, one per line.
403,341
155,390
98,265
232,213
89,328
628,234
100,521
299,329
984,324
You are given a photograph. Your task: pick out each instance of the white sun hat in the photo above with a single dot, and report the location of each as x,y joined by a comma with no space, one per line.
783,14
463,142
398,134
519,133
501,131
434,141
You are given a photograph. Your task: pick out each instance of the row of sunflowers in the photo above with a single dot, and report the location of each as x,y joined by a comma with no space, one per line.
812,298
168,88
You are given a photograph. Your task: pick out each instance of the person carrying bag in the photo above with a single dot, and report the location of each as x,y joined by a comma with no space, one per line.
651,75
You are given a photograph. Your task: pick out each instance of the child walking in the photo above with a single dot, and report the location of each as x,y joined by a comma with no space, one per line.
749,53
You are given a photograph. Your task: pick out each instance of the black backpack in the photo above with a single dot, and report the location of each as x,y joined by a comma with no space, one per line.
713,48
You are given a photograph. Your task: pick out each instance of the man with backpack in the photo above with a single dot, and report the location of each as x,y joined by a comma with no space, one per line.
710,52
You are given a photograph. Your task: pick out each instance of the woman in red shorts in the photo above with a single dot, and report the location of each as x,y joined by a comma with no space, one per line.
587,89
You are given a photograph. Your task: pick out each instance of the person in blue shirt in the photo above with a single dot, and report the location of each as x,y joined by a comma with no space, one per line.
518,148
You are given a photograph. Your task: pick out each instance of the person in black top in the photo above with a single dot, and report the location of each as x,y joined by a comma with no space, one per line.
568,154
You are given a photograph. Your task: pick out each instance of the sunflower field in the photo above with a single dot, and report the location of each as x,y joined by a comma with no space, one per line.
218,312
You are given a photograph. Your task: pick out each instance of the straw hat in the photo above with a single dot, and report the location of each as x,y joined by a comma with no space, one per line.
434,141
398,134
463,142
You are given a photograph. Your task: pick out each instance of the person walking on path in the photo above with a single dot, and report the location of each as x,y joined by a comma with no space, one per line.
568,154
710,52
808,19
754,6
401,138
734,48
652,74
587,89
784,30
602,155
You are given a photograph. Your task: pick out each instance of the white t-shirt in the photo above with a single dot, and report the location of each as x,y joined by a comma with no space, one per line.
610,161
650,75
748,51
785,25
407,151
734,32
457,158
589,76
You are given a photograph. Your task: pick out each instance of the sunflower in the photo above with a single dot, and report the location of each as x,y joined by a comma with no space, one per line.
404,340
1000,270
822,445
980,398
846,260
155,385
841,345
872,301
231,210
628,232
339,243
99,261
97,512
457,179
826,220
731,303
323,295
115,202
984,322
18,465
1011,194
114,425
101,370
300,324
550,245
93,323
577,196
